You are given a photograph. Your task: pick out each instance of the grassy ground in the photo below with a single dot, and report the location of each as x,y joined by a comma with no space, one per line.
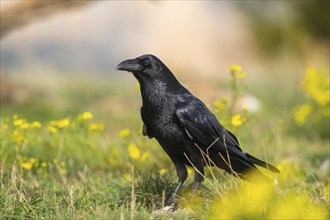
75,151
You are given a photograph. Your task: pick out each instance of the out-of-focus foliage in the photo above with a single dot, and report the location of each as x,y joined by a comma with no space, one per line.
314,114
288,24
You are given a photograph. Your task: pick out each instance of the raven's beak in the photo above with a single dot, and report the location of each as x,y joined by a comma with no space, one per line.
130,65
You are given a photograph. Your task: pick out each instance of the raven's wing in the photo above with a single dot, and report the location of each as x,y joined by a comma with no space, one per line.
206,131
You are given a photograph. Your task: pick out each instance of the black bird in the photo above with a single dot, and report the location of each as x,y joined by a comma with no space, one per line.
185,128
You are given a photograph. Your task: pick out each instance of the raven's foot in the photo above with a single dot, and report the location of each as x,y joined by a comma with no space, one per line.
172,201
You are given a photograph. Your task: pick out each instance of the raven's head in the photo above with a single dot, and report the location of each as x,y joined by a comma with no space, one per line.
148,68
147,65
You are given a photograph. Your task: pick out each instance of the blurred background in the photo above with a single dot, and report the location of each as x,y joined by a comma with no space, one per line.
59,57
70,126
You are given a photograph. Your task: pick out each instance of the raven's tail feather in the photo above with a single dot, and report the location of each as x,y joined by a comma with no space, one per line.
261,163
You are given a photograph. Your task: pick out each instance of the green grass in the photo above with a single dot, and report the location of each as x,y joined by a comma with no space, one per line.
78,174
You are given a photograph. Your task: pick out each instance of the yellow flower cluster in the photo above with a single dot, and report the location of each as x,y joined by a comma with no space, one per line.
94,127
32,162
237,69
302,112
58,124
316,84
237,120
263,201
19,126
124,133
135,153
85,116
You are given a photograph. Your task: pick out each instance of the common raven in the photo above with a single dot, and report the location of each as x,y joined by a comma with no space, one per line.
185,128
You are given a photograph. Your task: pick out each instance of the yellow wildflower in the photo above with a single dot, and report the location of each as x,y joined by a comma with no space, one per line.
294,206
43,164
18,136
18,122
55,160
26,165
52,129
190,170
219,105
85,116
145,156
247,202
62,123
235,68
124,132
35,124
62,171
316,84
133,151
162,171
301,113
25,126
240,75
95,127
237,120
62,163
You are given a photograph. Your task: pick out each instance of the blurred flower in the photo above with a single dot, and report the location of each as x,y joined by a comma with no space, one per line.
26,165
237,120
301,113
296,206
52,129
316,84
124,133
85,116
235,68
25,126
18,136
62,171
219,105
248,202
62,163
62,123
133,151
36,124
95,127
18,122
240,75
162,171
145,156
190,170
43,164
55,160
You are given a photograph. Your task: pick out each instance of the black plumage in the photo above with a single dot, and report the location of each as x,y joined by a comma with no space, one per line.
185,128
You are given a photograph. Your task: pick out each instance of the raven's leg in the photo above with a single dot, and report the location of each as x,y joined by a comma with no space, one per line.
199,173
182,175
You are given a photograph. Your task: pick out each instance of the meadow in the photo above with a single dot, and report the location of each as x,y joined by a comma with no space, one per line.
76,151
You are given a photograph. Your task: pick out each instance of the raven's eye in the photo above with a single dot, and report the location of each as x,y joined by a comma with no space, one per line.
146,62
